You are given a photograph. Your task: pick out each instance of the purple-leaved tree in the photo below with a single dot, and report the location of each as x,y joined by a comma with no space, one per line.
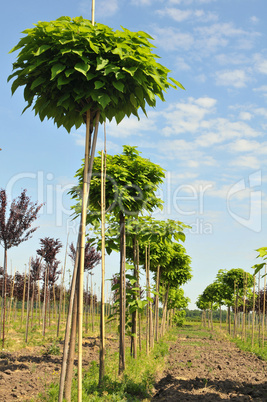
48,251
14,230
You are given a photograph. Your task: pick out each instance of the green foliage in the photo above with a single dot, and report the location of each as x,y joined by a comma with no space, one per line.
177,299
52,349
133,301
177,271
179,318
131,183
69,66
236,277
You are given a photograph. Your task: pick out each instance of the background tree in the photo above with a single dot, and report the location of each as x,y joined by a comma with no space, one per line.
91,256
48,251
131,187
235,279
15,230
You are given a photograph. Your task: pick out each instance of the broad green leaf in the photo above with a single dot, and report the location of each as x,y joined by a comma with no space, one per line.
42,49
104,100
99,84
82,68
176,83
38,81
57,69
119,85
101,63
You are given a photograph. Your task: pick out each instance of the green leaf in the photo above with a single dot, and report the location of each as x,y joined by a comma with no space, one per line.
104,100
130,70
119,85
38,81
101,63
177,83
42,49
99,84
82,68
57,69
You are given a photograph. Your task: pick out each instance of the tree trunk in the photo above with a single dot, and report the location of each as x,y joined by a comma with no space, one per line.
102,312
4,298
69,372
134,314
164,311
263,309
122,295
28,304
151,337
157,305
253,313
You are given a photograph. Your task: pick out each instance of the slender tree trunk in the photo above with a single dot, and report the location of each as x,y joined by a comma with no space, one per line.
11,298
263,309
102,312
139,287
157,305
45,300
122,295
32,303
69,372
253,312
4,298
164,311
23,296
147,306
134,314
151,335
28,303
259,307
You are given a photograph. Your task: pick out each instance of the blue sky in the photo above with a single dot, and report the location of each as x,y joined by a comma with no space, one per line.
210,138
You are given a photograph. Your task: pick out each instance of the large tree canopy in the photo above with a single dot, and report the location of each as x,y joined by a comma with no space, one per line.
69,66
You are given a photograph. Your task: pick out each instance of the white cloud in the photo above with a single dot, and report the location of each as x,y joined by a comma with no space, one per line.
254,19
141,2
181,64
245,116
232,58
262,88
171,39
246,161
213,37
103,8
260,63
187,117
234,78
180,15
132,126
243,145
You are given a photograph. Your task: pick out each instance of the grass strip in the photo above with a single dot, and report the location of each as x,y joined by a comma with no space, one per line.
136,384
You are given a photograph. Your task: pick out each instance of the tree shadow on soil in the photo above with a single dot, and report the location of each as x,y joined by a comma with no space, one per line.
170,388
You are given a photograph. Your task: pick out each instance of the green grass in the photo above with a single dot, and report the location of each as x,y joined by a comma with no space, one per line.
134,385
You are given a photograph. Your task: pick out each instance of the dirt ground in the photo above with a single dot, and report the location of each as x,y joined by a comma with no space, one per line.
204,369
197,369
25,374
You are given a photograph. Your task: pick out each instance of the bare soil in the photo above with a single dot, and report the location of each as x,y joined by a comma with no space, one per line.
26,373
197,369
204,369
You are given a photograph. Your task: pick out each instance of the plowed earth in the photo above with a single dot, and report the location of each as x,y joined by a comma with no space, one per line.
204,369
25,374
198,369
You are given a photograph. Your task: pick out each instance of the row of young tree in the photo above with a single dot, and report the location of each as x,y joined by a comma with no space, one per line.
142,241
75,71
244,299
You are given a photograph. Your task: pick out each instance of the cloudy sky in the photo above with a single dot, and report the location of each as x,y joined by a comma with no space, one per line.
210,138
